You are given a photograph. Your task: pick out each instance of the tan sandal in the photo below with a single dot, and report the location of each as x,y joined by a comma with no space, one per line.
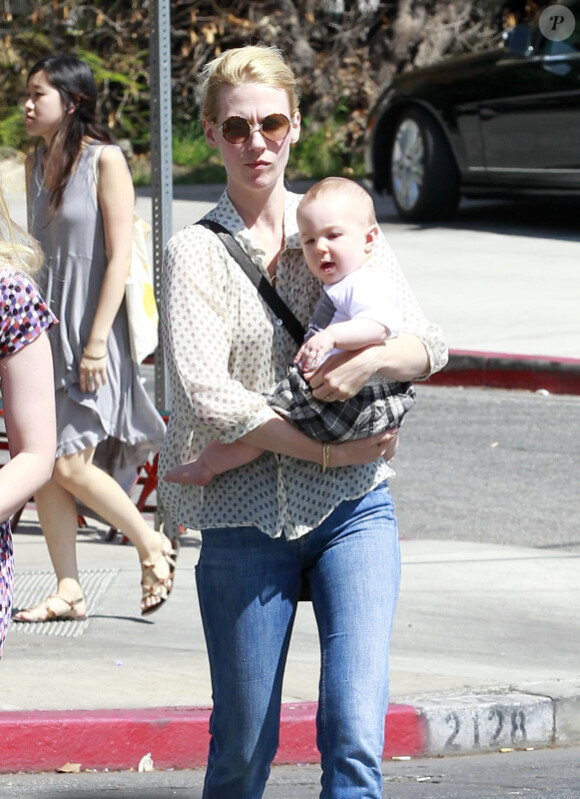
156,587
45,611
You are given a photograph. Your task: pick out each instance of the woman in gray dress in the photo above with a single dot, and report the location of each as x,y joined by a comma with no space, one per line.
82,215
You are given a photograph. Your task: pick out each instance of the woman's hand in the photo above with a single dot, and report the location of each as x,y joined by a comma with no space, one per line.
343,375
92,372
364,450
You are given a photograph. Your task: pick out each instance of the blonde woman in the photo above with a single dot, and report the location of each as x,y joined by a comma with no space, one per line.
302,507
27,389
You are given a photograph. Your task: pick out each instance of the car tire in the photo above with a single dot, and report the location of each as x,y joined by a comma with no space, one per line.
423,176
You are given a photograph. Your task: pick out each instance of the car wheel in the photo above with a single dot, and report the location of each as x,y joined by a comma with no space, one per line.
424,176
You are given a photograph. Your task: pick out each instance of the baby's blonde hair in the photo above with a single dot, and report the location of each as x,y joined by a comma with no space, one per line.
18,250
251,64
334,184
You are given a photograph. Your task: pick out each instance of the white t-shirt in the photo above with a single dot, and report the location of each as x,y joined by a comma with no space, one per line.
367,293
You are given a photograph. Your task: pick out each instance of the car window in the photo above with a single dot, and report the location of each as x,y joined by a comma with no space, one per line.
565,47
568,46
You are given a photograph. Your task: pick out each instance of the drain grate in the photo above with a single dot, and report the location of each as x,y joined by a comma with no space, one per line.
30,588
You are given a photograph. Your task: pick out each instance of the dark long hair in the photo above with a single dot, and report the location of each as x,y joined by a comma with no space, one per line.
74,81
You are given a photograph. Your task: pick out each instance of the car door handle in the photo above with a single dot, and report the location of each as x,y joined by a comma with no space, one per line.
487,113
562,69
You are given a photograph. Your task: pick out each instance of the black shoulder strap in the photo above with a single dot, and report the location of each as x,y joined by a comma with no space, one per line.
265,289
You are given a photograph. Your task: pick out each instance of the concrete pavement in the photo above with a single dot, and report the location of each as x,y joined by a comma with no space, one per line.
485,655
485,649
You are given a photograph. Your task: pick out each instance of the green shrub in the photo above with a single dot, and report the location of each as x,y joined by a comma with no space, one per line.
323,150
190,147
12,129
194,161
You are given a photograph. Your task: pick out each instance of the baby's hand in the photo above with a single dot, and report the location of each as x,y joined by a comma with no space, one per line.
311,353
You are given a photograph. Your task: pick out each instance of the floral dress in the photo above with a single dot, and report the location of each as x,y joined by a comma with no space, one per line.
23,317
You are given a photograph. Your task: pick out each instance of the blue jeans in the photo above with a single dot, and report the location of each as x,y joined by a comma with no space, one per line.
248,586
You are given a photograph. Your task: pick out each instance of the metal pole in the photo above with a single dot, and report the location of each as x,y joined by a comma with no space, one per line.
161,188
161,162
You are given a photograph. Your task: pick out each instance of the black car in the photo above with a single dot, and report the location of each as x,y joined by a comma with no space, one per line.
499,123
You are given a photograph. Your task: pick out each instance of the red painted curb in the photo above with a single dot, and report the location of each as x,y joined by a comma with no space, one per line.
405,733
176,737
502,370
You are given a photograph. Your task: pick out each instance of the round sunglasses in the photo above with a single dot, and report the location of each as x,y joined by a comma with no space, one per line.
237,130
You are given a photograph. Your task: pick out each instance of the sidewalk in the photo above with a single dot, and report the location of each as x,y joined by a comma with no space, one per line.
477,661
474,665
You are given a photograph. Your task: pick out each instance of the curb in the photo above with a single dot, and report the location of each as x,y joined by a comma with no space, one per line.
178,737
501,370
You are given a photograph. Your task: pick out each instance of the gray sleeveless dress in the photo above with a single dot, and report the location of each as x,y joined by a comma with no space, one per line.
118,419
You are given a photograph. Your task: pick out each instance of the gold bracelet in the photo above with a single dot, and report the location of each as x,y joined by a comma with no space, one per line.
325,456
94,357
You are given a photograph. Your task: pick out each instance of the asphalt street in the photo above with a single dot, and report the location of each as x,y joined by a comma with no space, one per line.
490,466
541,774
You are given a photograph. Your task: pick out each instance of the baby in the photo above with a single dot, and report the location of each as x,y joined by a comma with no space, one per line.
358,308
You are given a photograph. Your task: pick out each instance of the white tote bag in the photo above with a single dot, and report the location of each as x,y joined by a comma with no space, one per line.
142,314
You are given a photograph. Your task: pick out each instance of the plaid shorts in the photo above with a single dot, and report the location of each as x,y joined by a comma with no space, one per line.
373,410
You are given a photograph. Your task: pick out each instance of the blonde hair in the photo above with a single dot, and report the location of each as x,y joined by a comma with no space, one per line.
18,250
334,184
250,64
